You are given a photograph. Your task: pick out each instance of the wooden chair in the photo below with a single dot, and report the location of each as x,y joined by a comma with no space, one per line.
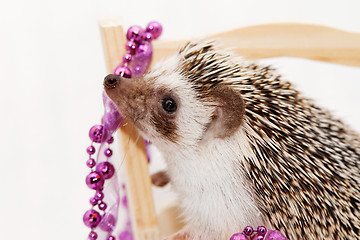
274,40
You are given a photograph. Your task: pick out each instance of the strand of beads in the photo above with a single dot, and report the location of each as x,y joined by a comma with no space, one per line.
96,180
139,50
261,233
135,63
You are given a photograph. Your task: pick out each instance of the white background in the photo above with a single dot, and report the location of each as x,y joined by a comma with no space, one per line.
51,71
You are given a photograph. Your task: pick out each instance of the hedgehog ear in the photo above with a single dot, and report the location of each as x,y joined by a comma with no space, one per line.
229,112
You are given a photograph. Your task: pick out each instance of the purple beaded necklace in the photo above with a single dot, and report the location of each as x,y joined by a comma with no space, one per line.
261,233
102,220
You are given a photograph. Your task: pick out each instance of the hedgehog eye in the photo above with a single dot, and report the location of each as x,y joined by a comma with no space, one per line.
169,105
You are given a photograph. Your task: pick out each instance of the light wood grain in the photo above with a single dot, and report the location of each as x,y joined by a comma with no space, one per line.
142,209
275,40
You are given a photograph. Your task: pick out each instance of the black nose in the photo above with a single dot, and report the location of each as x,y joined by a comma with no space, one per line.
111,80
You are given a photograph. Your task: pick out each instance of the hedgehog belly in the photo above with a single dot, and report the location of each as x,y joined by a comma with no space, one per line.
215,200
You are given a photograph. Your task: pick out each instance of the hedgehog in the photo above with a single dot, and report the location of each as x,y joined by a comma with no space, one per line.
244,147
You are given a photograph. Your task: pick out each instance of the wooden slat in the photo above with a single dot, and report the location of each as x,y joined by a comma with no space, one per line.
275,40
142,210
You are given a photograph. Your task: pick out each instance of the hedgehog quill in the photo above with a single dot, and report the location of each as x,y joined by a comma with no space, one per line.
243,147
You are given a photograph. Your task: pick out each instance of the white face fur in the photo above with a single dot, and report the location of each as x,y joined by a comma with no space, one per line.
191,117
142,100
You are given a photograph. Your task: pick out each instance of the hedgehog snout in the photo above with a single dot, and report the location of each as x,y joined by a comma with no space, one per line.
111,80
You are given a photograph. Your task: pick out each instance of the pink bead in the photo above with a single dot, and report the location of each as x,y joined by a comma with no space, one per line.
110,140
248,230
155,29
139,71
123,71
261,230
144,52
108,152
91,218
127,58
148,37
238,236
275,235
258,237
93,201
111,238
90,150
95,180
90,162
106,169
131,46
102,206
136,34
93,236
96,133
99,195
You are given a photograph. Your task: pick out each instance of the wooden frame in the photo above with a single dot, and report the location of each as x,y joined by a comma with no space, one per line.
275,40
293,40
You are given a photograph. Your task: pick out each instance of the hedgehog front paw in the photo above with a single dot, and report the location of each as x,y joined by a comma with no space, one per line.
160,179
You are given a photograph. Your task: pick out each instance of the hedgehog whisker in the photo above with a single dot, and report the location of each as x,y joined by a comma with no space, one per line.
138,136
125,149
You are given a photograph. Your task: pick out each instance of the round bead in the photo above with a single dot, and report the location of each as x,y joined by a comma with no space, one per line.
111,238
95,180
131,46
96,133
90,162
155,29
144,52
108,223
148,37
102,206
136,34
108,152
123,71
91,218
258,237
275,235
248,230
99,195
139,71
261,230
93,201
238,236
93,235
110,140
106,169
127,58
90,150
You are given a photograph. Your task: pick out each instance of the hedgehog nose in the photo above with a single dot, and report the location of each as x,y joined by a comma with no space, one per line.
111,80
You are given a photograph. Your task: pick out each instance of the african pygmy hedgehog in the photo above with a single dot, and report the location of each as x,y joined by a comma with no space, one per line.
243,147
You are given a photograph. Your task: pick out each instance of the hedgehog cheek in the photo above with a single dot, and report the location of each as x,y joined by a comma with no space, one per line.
229,112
